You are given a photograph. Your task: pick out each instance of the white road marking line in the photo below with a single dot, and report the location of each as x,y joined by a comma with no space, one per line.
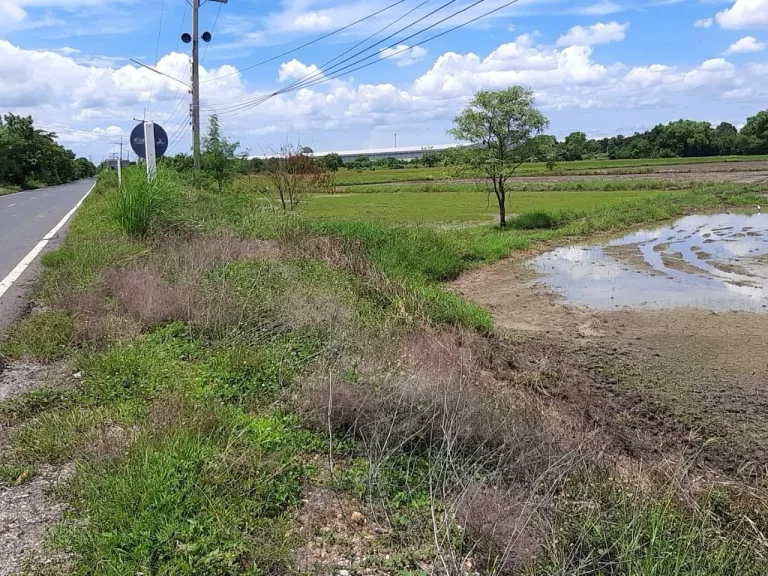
8,281
10,205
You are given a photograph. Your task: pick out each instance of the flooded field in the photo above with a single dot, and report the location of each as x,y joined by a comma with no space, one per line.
675,315
718,262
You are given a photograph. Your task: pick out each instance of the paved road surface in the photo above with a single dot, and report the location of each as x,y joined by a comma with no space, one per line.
26,218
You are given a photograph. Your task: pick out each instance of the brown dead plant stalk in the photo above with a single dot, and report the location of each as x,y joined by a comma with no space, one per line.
292,174
424,401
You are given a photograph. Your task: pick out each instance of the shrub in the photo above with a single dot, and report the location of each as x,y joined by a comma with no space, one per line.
143,206
537,220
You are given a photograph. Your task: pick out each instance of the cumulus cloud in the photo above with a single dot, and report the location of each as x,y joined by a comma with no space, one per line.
744,14
745,45
57,88
598,33
704,23
404,55
295,70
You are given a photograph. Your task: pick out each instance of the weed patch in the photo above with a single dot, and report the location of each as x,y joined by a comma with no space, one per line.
194,500
143,206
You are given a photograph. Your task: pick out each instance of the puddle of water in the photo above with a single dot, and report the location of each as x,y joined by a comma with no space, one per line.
718,262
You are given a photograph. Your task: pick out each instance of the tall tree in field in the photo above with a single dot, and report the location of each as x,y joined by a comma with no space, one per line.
218,154
503,125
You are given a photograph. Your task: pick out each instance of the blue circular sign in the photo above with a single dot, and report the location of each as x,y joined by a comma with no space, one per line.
137,141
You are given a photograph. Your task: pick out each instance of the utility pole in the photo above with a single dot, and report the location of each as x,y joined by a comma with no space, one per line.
120,165
195,38
395,139
195,86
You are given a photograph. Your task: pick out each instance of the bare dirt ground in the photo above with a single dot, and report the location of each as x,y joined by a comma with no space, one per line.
656,380
27,512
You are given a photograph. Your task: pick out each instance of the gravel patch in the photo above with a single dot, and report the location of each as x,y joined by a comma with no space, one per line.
27,515
18,378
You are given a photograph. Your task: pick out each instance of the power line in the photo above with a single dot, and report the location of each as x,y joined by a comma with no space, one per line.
322,67
157,54
320,72
178,86
323,72
216,21
346,69
272,59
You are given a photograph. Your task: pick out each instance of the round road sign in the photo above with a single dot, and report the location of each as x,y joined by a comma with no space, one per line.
137,140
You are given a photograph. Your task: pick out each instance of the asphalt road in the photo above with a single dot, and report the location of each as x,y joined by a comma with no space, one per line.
27,218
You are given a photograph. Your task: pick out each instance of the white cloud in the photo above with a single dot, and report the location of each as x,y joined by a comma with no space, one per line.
313,21
744,14
745,45
758,68
599,9
404,55
59,89
295,69
738,94
598,33
704,23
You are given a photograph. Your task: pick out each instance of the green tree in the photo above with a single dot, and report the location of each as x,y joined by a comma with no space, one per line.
331,162
754,134
574,145
218,158
29,156
503,126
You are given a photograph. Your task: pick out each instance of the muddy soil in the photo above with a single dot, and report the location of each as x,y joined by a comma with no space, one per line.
656,380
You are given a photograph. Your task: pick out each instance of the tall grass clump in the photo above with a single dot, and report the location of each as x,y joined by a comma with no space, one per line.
536,220
142,206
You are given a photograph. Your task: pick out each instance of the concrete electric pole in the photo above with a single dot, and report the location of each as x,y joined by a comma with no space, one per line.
195,106
195,86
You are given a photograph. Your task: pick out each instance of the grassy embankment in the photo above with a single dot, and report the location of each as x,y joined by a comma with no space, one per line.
245,376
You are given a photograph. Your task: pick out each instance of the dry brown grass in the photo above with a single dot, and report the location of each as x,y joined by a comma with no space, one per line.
428,396
166,286
499,527
144,295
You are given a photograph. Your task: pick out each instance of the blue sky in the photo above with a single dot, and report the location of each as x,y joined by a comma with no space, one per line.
600,66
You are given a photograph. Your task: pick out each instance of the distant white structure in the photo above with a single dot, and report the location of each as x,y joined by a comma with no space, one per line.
405,153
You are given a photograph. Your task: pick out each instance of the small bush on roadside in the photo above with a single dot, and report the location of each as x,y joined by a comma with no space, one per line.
141,206
537,220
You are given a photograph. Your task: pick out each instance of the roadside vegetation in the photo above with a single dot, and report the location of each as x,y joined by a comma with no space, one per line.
266,388
248,375
31,158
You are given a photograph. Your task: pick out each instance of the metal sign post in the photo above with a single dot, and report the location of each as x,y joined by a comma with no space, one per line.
149,150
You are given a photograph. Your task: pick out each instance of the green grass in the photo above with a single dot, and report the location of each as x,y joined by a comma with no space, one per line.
143,206
208,467
209,496
8,190
44,336
464,206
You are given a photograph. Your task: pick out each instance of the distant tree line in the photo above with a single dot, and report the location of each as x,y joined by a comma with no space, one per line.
30,157
679,139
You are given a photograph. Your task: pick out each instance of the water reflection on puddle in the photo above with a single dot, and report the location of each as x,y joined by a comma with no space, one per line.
719,262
